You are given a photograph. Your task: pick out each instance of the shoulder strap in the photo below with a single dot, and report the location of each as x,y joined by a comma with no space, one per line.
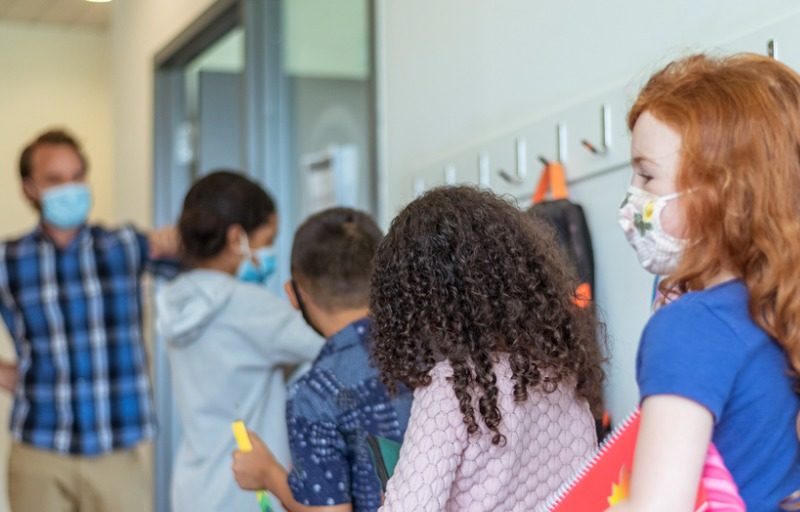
552,180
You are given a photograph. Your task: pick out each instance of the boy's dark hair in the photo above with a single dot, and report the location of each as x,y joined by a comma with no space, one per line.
216,202
50,137
463,275
332,257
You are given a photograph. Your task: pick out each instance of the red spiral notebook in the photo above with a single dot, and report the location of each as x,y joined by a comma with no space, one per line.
603,482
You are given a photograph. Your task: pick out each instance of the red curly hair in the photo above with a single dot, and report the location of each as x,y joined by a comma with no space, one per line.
739,119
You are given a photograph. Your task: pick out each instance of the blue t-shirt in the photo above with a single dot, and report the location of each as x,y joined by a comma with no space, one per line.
705,347
330,411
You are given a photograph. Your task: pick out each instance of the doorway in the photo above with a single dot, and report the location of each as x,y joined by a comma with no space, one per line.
283,91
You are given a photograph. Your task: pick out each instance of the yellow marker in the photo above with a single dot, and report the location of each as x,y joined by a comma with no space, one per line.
244,444
241,436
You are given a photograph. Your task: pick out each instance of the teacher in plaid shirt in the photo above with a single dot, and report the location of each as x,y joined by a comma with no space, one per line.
70,297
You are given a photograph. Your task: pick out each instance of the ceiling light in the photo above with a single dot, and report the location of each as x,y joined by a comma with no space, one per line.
98,1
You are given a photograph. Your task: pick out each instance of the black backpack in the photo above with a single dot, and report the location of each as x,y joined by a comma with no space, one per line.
570,225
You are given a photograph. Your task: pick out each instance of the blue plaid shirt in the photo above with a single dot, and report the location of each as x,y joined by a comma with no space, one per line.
330,411
75,317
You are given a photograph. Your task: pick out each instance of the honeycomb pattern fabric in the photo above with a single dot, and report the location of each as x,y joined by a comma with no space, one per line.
442,468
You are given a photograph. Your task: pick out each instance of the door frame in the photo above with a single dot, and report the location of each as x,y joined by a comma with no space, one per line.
267,151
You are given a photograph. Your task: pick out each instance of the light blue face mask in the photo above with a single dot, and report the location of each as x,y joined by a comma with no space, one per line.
250,272
66,206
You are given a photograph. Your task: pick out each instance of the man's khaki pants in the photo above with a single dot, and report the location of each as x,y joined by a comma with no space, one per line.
43,481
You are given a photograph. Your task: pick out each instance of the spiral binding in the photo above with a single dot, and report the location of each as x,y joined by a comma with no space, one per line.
562,492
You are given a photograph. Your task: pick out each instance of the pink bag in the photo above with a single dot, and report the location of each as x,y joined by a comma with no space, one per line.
721,491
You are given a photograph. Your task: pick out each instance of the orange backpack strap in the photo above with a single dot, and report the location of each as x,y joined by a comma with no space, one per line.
583,296
541,188
554,180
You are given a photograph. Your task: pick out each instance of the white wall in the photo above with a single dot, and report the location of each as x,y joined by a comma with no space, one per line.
457,72
49,76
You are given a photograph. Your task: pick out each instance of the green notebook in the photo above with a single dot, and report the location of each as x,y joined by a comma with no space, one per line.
385,453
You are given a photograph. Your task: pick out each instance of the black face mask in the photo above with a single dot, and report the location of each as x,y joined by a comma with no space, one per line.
302,307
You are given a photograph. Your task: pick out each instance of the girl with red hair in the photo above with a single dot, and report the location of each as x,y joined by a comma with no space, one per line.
714,207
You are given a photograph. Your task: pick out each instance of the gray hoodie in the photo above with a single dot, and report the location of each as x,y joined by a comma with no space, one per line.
226,342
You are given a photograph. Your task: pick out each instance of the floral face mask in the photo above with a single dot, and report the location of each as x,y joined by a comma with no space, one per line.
640,219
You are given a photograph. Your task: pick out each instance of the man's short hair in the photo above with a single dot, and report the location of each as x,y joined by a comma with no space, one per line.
332,257
50,137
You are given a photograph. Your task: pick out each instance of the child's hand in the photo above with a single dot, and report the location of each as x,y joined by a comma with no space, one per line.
252,470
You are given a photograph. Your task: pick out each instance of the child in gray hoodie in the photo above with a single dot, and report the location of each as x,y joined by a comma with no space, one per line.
227,338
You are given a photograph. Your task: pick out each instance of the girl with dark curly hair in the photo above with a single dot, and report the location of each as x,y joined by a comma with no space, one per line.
473,309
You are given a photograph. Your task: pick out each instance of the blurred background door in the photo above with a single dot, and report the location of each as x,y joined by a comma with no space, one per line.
281,90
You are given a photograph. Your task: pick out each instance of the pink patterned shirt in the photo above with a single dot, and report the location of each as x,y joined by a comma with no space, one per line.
442,468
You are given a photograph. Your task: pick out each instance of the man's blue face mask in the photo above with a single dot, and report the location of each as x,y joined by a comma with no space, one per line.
66,206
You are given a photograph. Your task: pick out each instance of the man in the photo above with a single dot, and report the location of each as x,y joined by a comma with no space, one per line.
70,297
341,400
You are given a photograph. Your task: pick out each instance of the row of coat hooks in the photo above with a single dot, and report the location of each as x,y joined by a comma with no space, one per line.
520,172
601,149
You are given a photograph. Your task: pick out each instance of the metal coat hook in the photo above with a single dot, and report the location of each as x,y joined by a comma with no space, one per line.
484,170
450,174
561,142
514,180
522,158
561,145
419,187
772,49
521,164
605,127
592,148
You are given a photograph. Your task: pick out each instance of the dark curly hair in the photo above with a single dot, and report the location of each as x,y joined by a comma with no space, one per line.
462,275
